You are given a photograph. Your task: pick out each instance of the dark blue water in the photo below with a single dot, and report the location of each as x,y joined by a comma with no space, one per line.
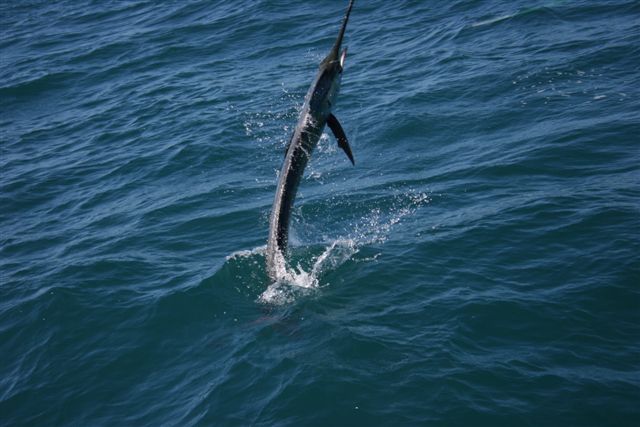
480,265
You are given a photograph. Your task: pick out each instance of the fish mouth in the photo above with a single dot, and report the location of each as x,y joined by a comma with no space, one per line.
343,56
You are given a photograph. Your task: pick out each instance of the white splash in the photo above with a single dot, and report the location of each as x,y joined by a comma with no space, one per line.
376,227
293,281
247,253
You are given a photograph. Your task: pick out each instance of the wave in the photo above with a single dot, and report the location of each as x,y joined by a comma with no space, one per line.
38,85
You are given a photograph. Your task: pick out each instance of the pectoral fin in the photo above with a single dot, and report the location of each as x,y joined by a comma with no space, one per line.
338,132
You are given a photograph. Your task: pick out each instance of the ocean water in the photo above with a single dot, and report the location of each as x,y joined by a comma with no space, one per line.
479,266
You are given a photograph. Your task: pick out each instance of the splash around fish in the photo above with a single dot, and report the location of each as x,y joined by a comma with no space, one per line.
306,269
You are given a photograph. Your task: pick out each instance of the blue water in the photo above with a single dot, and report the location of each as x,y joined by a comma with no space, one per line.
480,264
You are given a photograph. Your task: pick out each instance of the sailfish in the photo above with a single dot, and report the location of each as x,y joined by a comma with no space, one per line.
316,113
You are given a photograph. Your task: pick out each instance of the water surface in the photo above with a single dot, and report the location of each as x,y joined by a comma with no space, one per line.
478,266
